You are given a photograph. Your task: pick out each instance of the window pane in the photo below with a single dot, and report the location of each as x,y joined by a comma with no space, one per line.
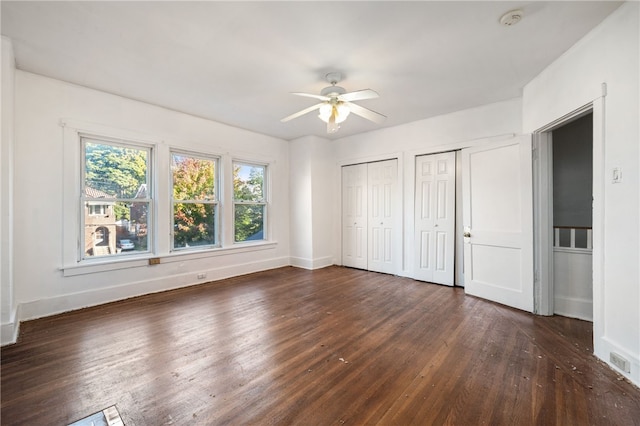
194,224
114,171
120,228
248,182
249,222
193,178
565,237
581,238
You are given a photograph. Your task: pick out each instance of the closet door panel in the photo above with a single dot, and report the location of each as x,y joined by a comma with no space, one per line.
382,180
354,216
435,218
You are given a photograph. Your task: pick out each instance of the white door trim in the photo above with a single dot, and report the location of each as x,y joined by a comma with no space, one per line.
543,206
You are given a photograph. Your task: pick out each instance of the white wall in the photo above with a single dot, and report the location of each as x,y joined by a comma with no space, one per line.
442,133
7,315
41,288
324,181
608,54
301,202
312,183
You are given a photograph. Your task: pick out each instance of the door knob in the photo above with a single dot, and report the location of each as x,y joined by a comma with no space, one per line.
467,234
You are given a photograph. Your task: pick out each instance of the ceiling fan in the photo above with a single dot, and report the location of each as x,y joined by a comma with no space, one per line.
337,103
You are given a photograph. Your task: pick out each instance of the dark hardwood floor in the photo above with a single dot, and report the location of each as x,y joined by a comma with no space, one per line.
332,346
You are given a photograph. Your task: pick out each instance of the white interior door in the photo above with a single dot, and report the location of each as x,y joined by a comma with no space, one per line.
435,218
498,222
354,216
382,182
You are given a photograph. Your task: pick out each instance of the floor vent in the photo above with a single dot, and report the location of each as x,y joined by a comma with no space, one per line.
107,417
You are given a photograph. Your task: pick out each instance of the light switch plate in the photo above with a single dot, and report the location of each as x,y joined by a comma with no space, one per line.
616,175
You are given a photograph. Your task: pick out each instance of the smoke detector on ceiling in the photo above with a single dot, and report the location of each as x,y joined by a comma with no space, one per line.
511,18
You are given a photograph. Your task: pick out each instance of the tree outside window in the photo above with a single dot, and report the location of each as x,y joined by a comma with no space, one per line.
249,201
115,202
195,201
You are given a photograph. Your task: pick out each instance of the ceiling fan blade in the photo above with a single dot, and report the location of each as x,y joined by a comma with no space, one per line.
359,95
311,95
363,112
303,112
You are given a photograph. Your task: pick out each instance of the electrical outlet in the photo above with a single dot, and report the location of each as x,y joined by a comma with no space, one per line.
154,261
202,275
620,362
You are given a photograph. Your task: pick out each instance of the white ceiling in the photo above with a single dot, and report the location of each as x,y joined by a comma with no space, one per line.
236,62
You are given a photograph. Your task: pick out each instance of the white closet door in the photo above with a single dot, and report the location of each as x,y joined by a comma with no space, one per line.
434,236
498,222
354,216
382,202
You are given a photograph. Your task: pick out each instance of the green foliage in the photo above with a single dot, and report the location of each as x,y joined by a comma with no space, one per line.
121,210
116,171
249,221
193,180
248,182
248,187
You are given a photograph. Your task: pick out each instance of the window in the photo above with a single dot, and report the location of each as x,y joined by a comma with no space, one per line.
116,201
195,201
98,209
249,201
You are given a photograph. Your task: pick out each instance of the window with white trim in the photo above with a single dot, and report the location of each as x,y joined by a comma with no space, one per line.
195,200
116,199
250,202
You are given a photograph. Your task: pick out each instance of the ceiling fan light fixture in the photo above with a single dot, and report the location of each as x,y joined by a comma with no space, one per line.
332,127
336,104
342,112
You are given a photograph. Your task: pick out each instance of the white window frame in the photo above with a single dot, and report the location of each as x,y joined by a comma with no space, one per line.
85,200
72,262
264,201
215,202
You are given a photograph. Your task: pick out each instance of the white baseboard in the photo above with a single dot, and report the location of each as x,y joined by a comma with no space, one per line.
573,307
64,303
318,263
9,331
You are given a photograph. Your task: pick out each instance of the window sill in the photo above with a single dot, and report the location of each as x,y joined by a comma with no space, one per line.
138,261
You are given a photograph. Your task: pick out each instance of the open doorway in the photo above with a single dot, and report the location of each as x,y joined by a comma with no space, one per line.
572,177
563,203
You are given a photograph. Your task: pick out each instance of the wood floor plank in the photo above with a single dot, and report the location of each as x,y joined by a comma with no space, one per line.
291,346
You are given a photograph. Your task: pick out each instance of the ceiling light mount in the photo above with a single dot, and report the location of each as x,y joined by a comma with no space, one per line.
333,91
333,77
512,17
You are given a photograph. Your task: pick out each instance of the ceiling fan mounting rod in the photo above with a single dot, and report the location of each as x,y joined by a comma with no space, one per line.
333,77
